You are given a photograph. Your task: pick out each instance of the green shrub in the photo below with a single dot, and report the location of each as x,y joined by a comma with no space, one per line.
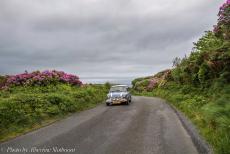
141,85
136,80
176,74
23,107
53,110
2,81
107,85
55,99
203,73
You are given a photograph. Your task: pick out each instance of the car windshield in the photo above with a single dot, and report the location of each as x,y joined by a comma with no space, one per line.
118,89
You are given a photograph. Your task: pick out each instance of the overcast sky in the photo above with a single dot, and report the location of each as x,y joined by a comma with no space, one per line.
99,38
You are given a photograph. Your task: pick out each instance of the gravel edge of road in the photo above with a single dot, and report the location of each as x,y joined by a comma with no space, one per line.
201,145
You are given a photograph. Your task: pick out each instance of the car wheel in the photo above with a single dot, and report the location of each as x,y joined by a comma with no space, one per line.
127,102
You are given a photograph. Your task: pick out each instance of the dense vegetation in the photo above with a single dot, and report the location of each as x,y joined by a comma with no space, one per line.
24,107
199,85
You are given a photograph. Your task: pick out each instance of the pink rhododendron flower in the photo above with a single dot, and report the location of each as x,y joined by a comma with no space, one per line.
222,27
152,84
42,78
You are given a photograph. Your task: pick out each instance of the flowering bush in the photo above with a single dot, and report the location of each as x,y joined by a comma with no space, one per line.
223,25
42,78
152,84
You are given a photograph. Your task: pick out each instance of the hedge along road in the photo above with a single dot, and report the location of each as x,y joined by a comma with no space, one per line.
146,126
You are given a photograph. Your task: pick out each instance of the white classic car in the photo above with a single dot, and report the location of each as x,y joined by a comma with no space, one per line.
118,94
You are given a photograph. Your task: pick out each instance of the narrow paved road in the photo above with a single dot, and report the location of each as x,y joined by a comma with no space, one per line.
146,126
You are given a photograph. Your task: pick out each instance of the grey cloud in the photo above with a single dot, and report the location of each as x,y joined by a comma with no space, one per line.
100,37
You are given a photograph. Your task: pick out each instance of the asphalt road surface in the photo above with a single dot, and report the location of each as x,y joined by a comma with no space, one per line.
146,126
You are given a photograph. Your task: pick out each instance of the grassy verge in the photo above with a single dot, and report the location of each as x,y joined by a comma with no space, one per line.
209,110
23,109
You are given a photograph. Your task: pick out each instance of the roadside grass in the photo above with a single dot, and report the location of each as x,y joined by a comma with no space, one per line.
208,109
23,109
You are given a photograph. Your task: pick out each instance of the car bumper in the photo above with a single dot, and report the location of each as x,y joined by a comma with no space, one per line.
116,100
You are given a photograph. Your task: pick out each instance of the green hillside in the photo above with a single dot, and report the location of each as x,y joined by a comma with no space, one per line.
199,84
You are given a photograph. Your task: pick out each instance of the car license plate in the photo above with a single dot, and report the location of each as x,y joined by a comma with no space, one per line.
116,102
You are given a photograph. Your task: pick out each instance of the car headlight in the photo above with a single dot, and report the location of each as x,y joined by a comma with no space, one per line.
108,95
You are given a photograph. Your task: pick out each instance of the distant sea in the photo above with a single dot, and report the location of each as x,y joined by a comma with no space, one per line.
113,80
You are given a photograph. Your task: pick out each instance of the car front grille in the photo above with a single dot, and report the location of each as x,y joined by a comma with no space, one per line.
116,98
